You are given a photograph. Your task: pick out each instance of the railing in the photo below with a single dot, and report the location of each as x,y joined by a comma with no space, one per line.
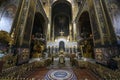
104,72
101,71
22,71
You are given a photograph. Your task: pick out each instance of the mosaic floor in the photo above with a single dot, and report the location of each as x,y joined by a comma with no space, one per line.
60,74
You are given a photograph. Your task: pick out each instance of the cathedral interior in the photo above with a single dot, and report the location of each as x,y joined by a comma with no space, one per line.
59,39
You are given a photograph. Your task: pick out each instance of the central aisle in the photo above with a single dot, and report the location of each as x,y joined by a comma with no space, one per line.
60,71
57,65
65,71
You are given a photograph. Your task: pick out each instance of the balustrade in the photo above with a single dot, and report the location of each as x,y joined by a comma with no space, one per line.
21,71
103,72
99,70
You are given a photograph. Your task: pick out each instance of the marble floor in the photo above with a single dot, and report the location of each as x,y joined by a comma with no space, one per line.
65,71
79,74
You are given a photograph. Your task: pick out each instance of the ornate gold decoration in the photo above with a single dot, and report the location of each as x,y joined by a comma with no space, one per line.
5,37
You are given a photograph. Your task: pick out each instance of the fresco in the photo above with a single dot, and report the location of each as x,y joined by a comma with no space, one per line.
114,11
7,18
61,24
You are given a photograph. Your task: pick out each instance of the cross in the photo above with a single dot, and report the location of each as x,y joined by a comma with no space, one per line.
61,33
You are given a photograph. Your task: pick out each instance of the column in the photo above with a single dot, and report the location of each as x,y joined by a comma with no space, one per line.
49,20
70,32
81,48
48,32
74,31
53,32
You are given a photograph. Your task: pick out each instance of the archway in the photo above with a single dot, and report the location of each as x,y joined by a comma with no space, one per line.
85,32
38,26
7,18
37,31
61,18
61,46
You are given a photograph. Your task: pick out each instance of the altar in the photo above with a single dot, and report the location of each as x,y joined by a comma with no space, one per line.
61,57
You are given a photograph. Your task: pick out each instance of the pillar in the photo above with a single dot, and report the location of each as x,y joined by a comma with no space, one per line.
74,31
53,31
49,31
49,25
70,32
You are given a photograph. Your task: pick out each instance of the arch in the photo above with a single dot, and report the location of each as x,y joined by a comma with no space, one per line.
61,17
61,1
85,32
64,7
85,25
7,18
62,45
37,30
39,23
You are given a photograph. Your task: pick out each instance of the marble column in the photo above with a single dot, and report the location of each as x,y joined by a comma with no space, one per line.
53,31
74,31
49,31
70,32
49,25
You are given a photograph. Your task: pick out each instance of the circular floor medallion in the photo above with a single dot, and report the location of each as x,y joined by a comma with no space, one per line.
60,75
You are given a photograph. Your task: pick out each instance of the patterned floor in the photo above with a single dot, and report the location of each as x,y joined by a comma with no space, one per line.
79,74
60,74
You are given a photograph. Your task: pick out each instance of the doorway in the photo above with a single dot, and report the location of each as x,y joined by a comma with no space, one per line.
61,46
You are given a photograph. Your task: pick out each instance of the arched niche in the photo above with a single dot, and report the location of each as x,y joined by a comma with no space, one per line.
39,24
38,32
85,32
84,27
61,45
61,17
